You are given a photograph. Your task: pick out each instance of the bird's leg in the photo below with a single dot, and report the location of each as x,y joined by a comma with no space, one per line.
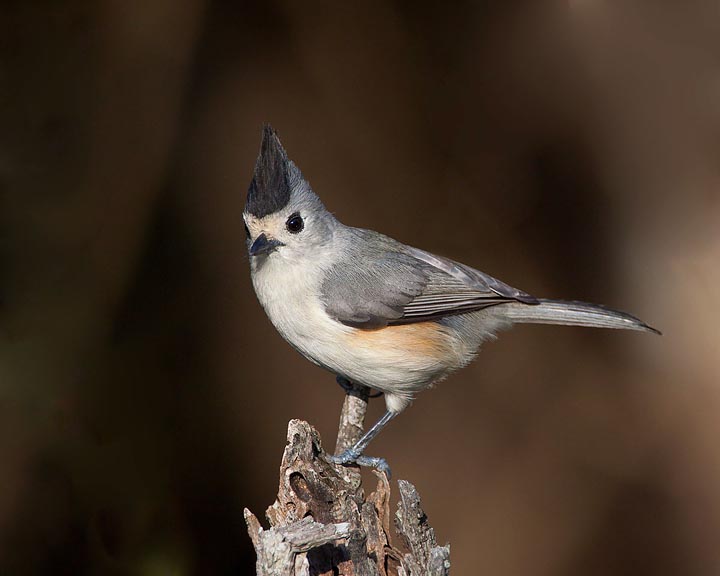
354,454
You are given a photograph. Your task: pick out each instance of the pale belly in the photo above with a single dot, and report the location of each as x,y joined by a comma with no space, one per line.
399,360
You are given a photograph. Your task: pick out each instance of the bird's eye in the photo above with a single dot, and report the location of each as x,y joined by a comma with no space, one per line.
295,223
247,231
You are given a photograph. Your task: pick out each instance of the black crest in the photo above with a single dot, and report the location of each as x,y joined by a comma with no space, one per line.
270,187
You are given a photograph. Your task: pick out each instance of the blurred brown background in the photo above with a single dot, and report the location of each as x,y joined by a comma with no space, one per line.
570,149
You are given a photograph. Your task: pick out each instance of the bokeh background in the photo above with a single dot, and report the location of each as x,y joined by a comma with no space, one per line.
571,149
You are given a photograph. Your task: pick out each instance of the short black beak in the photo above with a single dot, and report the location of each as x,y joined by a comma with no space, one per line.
264,246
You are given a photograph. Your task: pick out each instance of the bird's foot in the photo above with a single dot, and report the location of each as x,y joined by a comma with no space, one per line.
351,456
356,389
346,385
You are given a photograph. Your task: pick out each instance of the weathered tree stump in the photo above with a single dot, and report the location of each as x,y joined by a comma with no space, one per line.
323,525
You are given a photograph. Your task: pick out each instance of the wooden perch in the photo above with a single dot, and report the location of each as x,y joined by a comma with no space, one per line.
322,524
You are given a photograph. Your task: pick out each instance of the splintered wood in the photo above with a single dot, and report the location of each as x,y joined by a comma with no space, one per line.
323,525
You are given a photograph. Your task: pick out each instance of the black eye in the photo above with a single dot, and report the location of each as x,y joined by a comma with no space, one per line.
295,223
247,231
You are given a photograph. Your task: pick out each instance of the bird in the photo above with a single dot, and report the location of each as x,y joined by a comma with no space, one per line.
370,309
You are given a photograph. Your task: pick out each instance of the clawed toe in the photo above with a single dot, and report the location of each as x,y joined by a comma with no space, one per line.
356,389
345,384
351,456
380,464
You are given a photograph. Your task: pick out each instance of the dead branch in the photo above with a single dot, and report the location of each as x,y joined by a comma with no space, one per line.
322,524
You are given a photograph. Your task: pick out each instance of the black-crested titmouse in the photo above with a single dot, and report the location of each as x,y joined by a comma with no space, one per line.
372,310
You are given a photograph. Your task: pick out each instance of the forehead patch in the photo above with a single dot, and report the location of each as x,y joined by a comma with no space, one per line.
269,189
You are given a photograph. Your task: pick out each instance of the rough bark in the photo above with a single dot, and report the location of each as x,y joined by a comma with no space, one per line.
411,523
322,524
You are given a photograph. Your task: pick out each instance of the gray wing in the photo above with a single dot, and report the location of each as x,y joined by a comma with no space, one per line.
391,283
372,292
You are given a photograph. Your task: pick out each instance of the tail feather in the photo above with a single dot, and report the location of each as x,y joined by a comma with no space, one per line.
572,314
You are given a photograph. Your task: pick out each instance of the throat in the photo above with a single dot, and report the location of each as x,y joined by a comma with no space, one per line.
284,290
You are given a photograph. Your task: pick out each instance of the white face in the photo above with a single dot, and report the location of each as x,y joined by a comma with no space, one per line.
297,230
272,225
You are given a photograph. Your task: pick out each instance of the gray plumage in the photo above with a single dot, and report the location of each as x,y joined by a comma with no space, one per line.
405,285
572,313
369,308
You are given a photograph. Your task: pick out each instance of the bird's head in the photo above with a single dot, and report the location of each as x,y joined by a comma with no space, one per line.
282,214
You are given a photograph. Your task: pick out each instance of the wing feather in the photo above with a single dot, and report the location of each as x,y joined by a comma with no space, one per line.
398,284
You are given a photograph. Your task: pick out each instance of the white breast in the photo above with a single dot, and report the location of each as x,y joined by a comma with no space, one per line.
290,295
395,364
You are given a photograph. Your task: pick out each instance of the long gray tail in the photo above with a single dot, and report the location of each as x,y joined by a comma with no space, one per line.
572,314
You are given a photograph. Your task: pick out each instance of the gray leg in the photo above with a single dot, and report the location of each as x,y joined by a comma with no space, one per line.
354,455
